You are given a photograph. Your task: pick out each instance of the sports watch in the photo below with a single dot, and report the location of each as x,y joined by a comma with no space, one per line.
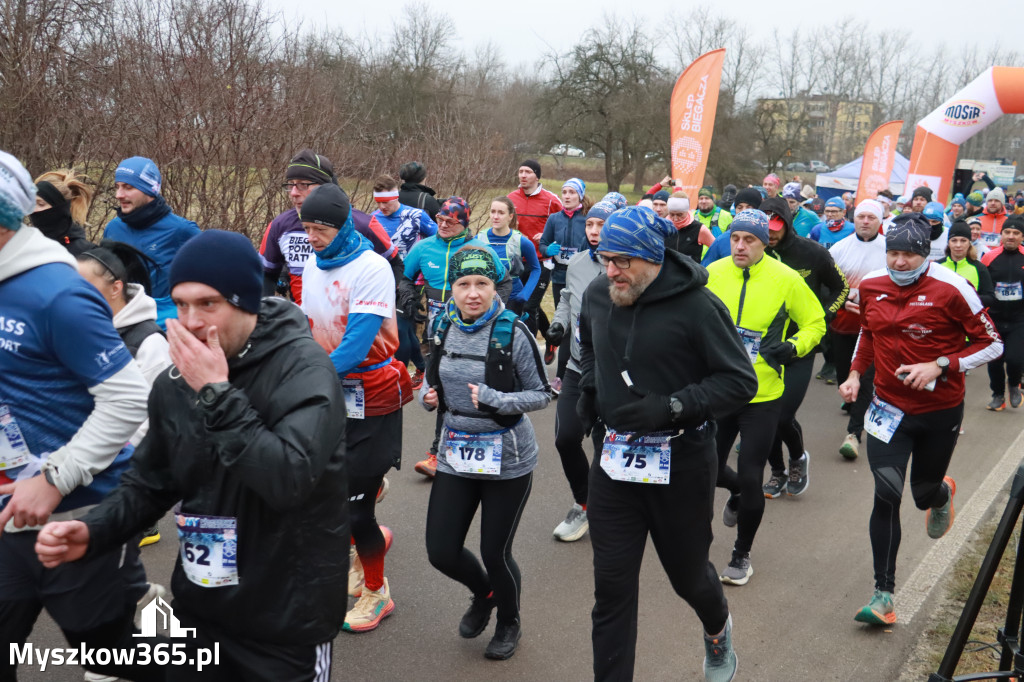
211,393
675,407
943,363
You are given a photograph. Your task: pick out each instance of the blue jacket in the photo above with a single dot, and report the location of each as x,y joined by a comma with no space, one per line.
804,221
570,233
520,291
159,241
718,250
430,257
826,237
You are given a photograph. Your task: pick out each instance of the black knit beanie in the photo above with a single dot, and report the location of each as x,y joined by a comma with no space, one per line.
225,261
308,165
532,165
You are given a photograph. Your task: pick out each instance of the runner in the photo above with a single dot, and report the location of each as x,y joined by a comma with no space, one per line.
70,399
487,371
745,199
834,227
564,235
348,294
919,390
771,184
820,273
247,431
713,217
144,220
285,242
763,296
404,226
974,222
121,275
1006,266
516,252
993,217
803,219
861,253
935,216
413,192
431,258
962,258
690,237
62,207
583,268
533,205
652,304
660,202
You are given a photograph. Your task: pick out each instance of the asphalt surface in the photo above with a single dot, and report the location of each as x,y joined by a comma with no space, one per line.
792,621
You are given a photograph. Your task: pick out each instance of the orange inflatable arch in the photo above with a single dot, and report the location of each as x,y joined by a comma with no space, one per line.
998,90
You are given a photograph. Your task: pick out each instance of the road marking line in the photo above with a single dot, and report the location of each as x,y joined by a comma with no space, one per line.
947,549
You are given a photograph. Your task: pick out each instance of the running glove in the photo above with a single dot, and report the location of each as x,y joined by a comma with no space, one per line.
779,355
650,413
586,410
554,334
553,249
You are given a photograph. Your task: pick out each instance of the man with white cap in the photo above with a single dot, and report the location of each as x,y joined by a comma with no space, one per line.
58,345
691,237
993,217
857,255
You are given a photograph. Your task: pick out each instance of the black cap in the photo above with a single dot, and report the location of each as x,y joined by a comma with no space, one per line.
532,165
326,205
749,196
960,228
308,165
909,232
925,192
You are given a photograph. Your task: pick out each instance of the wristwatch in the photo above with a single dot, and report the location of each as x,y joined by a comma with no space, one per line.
943,363
675,407
211,393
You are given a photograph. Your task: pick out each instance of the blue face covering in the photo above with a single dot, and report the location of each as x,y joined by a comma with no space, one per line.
905,278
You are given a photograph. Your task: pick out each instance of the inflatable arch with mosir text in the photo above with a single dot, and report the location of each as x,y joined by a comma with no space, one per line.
997,91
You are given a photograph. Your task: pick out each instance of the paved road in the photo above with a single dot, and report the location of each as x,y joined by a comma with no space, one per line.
793,621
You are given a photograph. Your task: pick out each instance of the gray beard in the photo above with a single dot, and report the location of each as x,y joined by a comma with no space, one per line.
628,297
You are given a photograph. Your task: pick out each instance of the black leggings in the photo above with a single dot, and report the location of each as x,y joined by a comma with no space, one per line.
362,504
931,438
798,378
450,511
755,424
1007,369
569,438
843,346
563,348
537,318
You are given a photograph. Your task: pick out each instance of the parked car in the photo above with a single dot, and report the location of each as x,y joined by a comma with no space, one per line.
797,167
816,166
1019,178
567,150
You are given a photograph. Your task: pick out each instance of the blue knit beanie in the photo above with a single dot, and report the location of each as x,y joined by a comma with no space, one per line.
616,199
634,231
601,210
576,185
141,173
225,261
753,221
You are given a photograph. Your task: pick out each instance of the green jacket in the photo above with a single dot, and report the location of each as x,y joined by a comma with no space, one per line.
762,299
717,221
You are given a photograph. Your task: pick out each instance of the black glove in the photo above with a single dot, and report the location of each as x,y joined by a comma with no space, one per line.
516,305
586,410
650,413
554,334
778,355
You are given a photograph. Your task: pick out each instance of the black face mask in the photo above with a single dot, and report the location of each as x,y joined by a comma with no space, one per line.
54,222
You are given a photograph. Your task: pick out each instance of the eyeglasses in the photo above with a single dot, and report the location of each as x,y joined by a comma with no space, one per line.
302,186
621,262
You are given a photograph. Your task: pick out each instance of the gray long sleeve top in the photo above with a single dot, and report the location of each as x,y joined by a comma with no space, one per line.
519,443
581,272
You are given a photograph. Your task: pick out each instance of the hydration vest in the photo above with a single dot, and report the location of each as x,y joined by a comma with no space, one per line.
513,251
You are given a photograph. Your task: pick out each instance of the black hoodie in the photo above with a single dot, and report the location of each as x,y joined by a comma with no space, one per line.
677,339
810,259
419,196
269,453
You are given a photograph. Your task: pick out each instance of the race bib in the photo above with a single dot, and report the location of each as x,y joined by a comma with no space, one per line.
473,453
565,255
1009,291
882,419
990,239
751,342
13,450
576,332
208,546
645,460
355,398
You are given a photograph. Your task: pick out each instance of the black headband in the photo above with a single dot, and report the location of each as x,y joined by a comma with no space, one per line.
50,194
109,260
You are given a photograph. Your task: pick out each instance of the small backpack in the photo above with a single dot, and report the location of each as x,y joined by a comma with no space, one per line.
513,251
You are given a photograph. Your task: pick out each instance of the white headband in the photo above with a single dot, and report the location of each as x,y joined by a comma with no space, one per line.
678,205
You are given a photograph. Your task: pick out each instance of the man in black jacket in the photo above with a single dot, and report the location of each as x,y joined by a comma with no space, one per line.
661,360
413,192
247,430
813,262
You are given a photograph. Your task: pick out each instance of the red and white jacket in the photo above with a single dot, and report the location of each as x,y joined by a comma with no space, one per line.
919,323
532,211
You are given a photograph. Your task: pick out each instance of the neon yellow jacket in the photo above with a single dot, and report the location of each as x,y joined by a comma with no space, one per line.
763,299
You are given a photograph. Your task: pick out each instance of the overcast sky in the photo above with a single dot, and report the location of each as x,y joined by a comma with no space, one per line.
526,29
